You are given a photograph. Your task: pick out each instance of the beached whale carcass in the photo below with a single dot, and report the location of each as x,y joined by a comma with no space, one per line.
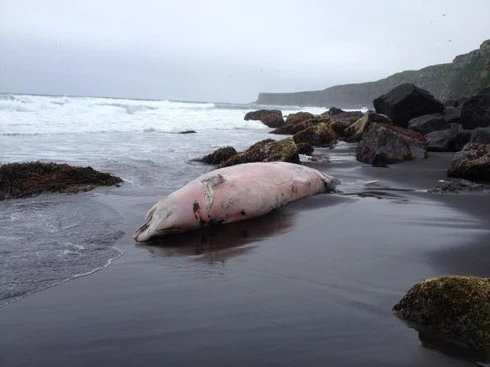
231,194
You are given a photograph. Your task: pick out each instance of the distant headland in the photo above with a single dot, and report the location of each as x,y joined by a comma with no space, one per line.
467,74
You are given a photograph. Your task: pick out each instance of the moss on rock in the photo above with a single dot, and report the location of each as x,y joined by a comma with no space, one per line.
458,306
19,180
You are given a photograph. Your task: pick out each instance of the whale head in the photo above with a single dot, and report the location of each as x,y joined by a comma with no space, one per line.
158,221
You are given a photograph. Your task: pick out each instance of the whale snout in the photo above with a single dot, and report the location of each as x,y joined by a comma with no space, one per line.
140,234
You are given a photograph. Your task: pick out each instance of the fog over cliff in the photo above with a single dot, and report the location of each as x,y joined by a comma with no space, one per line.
224,50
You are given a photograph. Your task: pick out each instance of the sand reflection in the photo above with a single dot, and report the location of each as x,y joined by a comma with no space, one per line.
222,242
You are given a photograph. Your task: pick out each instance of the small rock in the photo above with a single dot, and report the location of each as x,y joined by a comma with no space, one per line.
472,163
218,156
266,151
321,135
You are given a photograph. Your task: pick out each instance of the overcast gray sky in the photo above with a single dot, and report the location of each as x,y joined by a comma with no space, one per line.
225,50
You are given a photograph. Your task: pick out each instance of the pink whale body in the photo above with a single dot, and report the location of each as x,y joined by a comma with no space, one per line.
231,194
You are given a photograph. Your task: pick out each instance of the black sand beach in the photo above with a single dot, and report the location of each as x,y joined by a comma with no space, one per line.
312,284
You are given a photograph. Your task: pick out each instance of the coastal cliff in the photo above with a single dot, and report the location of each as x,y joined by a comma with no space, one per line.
466,75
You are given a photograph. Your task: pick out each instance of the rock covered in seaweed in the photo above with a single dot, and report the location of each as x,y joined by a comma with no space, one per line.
20,180
267,150
458,306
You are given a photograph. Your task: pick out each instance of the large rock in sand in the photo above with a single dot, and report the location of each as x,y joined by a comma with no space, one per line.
321,135
405,102
456,306
476,111
266,151
472,162
386,144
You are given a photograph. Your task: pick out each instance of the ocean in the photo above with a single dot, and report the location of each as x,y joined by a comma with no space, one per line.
50,239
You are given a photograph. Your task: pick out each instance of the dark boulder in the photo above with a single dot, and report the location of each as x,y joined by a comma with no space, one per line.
480,135
385,144
472,163
428,123
260,114
476,111
266,151
219,156
442,140
20,180
321,135
405,102
456,306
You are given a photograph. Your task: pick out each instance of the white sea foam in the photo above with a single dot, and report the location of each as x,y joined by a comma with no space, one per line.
31,115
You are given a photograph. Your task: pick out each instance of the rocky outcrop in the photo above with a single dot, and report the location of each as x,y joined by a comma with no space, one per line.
405,102
428,123
472,162
386,144
321,135
219,156
466,75
266,151
476,110
458,306
20,180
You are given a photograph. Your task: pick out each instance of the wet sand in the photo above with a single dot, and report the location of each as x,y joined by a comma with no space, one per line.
311,284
